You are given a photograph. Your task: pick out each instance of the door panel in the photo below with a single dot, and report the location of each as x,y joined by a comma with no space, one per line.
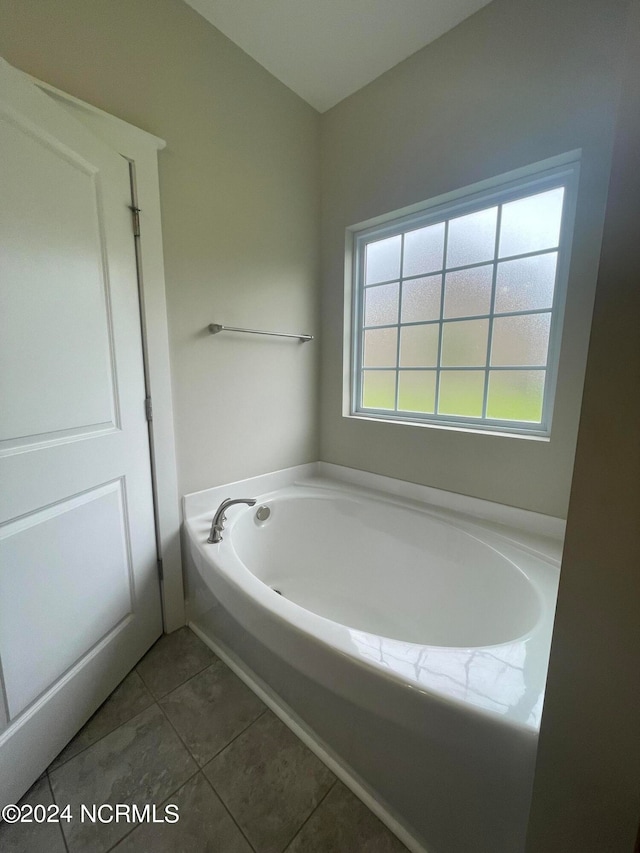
79,593
49,390
88,576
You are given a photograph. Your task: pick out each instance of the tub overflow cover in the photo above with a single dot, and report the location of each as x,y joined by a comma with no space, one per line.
263,513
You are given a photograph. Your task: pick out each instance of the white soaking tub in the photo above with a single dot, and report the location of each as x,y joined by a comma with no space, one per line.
407,640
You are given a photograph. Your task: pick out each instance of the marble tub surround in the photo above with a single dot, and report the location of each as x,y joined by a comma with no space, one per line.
183,729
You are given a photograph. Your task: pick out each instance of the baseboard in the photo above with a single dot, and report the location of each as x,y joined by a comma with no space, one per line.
338,767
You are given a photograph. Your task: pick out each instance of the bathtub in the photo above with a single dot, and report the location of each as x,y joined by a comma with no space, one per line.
403,632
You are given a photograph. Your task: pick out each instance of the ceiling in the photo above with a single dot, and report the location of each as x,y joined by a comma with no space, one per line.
327,49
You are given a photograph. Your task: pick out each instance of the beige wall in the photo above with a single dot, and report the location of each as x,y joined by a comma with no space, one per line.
587,788
518,82
239,183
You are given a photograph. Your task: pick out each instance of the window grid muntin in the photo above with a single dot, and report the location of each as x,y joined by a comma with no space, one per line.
494,277
445,249
490,317
443,270
498,316
398,335
564,176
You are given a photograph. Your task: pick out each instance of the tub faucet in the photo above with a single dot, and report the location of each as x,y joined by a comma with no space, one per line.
217,525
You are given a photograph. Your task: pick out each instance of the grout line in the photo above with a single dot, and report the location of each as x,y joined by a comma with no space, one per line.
201,768
154,701
222,748
53,797
177,733
166,799
164,695
89,747
228,811
235,737
344,773
102,737
126,835
157,698
310,815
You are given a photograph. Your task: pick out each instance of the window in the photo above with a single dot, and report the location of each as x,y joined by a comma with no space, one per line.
458,308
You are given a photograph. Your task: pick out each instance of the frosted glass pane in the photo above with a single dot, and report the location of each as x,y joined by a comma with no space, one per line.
421,299
423,250
472,238
419,346
526,284
380,348
464,343
520,340
379,389
383,260
468,292
516,395
381,305
531,224
461,393
417,391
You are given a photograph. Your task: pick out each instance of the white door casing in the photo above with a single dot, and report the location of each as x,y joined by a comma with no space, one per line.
141,148
79,597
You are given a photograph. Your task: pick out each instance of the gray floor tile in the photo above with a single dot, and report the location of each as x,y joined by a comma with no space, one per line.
33,837
204,826
270,782
142,761
210,709
342,823
128,699
172,660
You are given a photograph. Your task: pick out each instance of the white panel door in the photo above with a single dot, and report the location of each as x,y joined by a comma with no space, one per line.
79,593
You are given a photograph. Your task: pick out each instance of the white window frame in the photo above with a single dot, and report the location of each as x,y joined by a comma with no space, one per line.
561,171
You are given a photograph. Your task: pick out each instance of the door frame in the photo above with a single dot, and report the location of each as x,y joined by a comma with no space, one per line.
141,148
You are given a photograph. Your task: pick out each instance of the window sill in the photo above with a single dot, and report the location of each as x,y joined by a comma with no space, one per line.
448,427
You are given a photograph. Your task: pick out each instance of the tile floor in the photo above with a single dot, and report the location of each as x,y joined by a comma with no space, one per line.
183,729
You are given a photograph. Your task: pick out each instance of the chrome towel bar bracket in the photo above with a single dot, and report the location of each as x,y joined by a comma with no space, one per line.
214,328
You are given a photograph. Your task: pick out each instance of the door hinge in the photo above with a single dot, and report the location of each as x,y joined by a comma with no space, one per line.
148,408
135,219
160,570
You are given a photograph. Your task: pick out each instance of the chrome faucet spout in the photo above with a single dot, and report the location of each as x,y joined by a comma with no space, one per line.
217,525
